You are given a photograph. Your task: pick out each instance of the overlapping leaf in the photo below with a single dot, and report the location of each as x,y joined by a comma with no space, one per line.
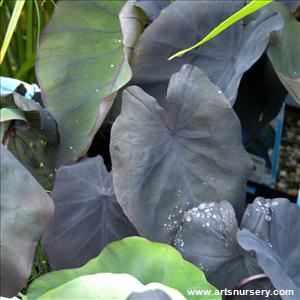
35,138
209,238
146,261
104,286
167,161
224,59
25,211
87,215
80,66
272,231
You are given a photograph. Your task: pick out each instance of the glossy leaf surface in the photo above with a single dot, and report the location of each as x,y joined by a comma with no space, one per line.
168,160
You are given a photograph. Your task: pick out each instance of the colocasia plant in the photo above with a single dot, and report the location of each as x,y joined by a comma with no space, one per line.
161,211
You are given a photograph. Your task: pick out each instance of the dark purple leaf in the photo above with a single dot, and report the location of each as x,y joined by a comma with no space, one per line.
271,229
167,161
207,238
224,59
25,211
87,215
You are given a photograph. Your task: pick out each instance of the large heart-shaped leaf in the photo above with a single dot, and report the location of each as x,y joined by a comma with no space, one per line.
80,66
207,238
107,286
271,229
283,52
87,215
25,211
145,260
167,161
224,59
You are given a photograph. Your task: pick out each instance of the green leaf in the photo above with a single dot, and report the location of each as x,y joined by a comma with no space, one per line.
145,260
80,66
11,113
25,211
283,52
105,286
245,11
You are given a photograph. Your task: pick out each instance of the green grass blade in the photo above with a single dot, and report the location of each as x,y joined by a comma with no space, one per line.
11,27
245,11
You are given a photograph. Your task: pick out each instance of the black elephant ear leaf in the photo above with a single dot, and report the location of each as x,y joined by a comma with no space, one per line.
87,215
154,151
152,8
25,211
207,238
283,52
224,59
271,229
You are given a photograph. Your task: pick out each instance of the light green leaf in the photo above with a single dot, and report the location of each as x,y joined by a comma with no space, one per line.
106,286
245,11
145,260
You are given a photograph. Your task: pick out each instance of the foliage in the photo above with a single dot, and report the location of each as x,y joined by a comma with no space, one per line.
179,168
154,150
105,286
87,215
146,261
87,70
250,8
25,211
211,230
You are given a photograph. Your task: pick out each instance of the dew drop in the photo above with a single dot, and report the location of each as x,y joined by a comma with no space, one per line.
71,147
112,65
220,92
268,218
275,203
41,165
188,219
207,224
97,90
202,206
226,245
195,209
